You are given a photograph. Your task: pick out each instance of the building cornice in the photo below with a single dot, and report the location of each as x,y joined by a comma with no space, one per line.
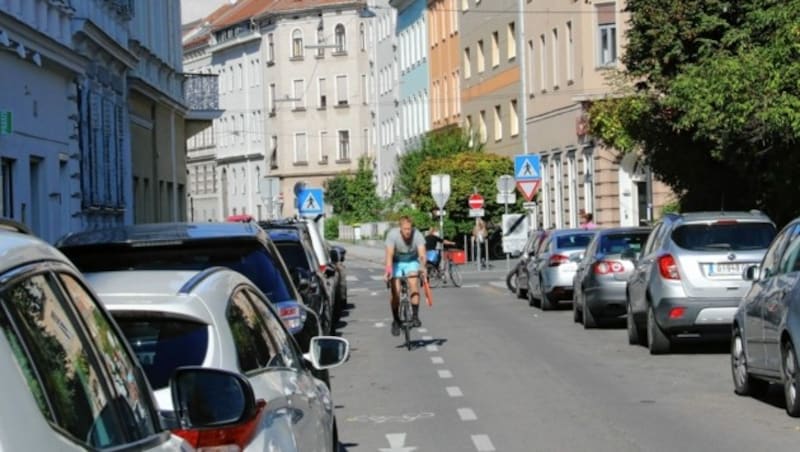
141,86
49,48
86,30
240,158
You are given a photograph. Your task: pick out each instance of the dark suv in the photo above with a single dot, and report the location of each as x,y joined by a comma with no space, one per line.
243,247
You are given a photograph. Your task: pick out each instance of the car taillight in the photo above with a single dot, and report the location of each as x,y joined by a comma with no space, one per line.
606,267
676,313
291,315
234,437
557,259
289,311
668,267
322,268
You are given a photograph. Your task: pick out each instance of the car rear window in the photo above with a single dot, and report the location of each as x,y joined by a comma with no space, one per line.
164,344
293,254
724,236
620,243
580,240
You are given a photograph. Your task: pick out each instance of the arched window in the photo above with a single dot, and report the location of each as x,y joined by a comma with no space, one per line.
340,38
362,37
297,44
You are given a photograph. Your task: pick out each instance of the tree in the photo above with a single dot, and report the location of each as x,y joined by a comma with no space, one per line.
713,101
353,196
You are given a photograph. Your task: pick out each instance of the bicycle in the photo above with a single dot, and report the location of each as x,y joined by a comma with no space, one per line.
404,311
438,274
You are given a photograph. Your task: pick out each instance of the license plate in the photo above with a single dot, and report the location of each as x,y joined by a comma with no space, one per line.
726,268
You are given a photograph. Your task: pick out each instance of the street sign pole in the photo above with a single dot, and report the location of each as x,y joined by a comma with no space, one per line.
505,186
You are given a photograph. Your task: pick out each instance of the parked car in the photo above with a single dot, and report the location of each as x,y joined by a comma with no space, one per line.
766,327
688,282
298,255
517,279
217,318
70,381
328,257
243,247
603,270
551,271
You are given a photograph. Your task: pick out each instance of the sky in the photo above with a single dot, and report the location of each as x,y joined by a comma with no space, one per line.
195,9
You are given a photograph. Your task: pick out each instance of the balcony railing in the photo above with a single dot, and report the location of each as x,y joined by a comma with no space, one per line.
201,91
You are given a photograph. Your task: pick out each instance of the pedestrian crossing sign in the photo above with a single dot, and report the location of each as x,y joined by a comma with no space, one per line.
310,202
526,167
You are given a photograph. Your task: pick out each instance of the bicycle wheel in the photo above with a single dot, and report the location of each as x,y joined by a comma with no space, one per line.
455,275
434,276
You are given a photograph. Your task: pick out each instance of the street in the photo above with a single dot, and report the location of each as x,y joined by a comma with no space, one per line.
489,373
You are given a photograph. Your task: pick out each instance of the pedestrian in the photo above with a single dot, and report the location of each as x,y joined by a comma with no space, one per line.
587,220
479,235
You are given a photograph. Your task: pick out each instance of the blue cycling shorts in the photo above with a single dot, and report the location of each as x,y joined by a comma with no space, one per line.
405,268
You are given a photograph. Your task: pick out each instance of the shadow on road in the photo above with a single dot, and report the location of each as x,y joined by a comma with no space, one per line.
422,343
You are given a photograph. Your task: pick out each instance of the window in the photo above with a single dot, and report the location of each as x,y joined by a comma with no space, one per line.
467,64
607,35
365,90
482,127
513,119
270,48
481,62
300,147
498,124
297,94
531,72
341,44
511,44
570,54
286,354
464,5
323,92
254,349
343,152
470,132
7,188
341,90
271,99
495,49
554,55
362,37
323,146
320,43
542,63
297,44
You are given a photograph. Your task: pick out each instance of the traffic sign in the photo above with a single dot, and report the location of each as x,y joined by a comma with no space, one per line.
528,188
506,198
476,213
475,201
310,202
6,122
440,189
526,167
515,232
505,184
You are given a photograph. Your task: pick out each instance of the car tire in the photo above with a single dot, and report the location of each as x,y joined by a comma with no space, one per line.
634,335
744,384
791,380
657,340
589,321
521,293
532,301
336,447
512,280
547,304
577,316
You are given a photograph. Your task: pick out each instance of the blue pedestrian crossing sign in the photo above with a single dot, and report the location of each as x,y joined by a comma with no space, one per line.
526,167
310,202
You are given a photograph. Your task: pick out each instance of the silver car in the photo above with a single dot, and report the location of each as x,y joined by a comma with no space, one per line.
599,287
552,270
766,328
217,318
688,281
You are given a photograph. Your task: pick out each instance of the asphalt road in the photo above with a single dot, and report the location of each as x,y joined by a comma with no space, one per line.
491,373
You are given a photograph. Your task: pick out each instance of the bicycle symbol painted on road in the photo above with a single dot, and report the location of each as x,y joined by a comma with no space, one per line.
401,419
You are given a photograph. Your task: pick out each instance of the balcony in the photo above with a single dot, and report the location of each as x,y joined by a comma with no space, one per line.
201,94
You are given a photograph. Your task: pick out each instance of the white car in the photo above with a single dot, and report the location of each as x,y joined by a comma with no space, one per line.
69,380
217,318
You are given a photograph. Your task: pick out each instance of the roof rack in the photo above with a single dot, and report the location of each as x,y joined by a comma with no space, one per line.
14,226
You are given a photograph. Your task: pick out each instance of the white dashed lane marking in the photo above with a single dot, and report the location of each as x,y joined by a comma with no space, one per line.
352,278
483,443
454,391
445,374
466,414
432,348
427,338
437,360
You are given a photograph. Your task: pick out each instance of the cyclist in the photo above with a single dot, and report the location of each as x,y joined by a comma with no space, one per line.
432,248
405,255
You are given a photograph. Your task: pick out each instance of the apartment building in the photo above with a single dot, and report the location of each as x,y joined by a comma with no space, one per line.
570,48
444,48
490,76
412,44
382,44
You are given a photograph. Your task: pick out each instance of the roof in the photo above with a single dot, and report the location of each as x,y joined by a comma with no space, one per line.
161,233
753,215
19,249
281,234
624,229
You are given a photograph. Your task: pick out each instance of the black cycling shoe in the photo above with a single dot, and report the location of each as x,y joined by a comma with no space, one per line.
415,322
395,328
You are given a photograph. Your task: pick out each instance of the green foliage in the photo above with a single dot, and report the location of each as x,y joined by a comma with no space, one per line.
713,101
354,197
332,228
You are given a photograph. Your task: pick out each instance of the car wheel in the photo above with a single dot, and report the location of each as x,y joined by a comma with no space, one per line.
521,293
657,341
791,380
576,315
634,338
545,299
335,445
532,301
588,318
743,383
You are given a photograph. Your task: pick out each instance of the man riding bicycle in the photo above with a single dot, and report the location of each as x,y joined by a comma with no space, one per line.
405,256
432,247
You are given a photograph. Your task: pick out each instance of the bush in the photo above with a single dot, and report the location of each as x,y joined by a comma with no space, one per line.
332,228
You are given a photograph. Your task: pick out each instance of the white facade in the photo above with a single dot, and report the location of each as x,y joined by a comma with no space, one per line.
386,84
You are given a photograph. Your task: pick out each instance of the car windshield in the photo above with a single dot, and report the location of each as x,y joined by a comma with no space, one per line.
580,240
293,254
724,236
164,344
620,243
249,258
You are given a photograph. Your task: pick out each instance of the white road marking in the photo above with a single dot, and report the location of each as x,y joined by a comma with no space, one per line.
358,289
422,330
376,277
499,284
432,348
379,324
445,374
396,443
351,278
483,443
466,414
437,360
470,286
454,391
427,338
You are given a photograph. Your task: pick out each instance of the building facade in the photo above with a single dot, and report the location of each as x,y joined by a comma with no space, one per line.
490,76
570,48
412,44
386,82
445,63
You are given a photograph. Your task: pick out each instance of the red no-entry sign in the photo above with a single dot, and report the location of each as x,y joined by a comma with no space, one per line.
475,201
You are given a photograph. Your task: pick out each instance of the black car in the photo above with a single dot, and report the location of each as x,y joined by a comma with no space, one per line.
243,247
306,272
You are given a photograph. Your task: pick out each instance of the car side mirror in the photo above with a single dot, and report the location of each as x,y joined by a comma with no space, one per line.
205,397
751,273
330,272
300,277
327,352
